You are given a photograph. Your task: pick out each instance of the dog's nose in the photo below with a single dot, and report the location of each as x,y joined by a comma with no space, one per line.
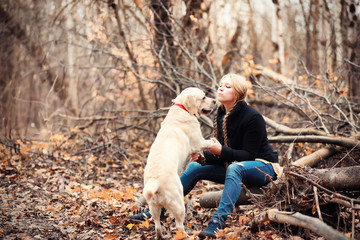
214,101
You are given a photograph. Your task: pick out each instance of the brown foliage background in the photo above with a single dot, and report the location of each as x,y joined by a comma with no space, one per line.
84,86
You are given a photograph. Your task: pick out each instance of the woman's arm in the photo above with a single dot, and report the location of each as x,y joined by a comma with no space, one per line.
252,139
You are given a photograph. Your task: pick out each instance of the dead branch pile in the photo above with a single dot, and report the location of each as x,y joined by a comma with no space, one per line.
303,193
300,199
320,191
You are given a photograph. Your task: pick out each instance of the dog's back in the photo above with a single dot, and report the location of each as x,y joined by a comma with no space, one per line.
167,154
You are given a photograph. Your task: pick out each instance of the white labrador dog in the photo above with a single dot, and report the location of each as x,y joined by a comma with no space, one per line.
179,136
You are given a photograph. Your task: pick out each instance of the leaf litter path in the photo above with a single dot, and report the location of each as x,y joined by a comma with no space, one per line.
49,193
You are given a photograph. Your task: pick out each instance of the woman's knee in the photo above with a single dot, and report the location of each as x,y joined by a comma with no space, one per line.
235,167
232,167
193,166
235,170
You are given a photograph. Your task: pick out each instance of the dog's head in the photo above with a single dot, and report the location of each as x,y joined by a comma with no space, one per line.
195,101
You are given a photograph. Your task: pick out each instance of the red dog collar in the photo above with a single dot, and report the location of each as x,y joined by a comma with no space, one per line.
180,106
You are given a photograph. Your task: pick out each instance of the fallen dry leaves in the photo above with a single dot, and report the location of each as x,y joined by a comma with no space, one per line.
56,190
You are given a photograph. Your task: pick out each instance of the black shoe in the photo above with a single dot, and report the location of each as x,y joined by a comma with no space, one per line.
211,231
141,216
146,215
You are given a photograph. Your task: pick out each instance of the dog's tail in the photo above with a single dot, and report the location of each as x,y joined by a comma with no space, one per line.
150,189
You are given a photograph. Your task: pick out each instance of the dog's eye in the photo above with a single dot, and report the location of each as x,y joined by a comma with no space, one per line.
204,98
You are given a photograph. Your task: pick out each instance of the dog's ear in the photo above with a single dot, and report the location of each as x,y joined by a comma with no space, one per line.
179,99
189,101
190,104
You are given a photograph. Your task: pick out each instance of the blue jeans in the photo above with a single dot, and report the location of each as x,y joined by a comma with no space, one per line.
232,177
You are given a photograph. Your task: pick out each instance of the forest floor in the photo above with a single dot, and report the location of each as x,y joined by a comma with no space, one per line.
60,190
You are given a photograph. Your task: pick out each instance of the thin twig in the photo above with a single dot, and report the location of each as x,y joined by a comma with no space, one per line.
93,149
317,203
353,220
268,176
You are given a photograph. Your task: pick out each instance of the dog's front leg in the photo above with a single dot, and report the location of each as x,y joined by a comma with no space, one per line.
201,145
208,143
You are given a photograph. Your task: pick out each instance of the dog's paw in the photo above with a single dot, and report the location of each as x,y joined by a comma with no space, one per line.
209,143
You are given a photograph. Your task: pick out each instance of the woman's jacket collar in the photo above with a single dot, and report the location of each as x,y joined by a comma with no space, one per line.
241,105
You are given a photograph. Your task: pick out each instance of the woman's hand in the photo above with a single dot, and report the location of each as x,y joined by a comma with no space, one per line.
195,157
216,147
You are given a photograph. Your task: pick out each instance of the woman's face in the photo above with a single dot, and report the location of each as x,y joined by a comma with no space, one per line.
225,92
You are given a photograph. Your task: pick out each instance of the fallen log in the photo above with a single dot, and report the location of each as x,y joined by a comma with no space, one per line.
336,140
280,128
334,194
300,220
315,157
212,199
343,178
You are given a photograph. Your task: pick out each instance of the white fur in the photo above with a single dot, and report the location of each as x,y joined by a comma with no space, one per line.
179,136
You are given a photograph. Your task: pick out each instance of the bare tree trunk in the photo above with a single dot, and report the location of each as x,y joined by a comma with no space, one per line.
337,42
314,37
343,28
73,84
252,32
227,60
354,74
329,36
164,50
134,63
307,18
35,50
323,32
278,38
7,71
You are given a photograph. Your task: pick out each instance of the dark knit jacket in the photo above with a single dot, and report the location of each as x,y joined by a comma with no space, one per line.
246,134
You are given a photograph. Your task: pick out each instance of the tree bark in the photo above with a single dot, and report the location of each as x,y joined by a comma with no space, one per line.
36,51
315,157
130,53
354,74
275,76
212,199
343,178
292,131
315,12
278,38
